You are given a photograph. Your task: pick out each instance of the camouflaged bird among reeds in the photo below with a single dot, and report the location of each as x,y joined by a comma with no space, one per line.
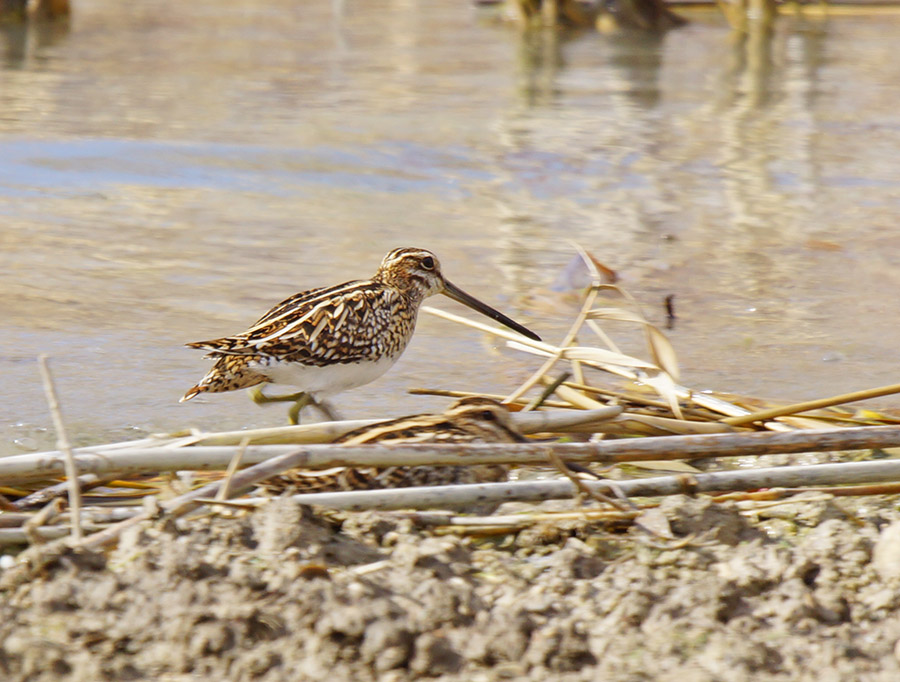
468,420
332,339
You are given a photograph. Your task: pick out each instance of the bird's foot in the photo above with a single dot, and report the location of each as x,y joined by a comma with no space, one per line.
300,400
326,409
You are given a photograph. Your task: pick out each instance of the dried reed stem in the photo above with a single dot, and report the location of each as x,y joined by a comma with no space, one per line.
466,496
19,536
445,518
549,390
496,331
580,486
44,495
62,442
30,467
301,434
466,394
185,503
225,489
566,342
808,405
45,516
636,398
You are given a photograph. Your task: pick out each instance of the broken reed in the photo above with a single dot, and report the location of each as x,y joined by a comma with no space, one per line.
206,458
800,478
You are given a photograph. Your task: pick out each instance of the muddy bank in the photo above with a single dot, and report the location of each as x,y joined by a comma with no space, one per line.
808,590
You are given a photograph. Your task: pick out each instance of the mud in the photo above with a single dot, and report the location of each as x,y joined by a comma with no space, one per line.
809,590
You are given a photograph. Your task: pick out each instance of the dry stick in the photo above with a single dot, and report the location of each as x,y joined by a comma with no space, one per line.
44,495
444,393
446,518
526,422
579,484
131,461
566,342
44,516
185,503
707,401
578,371
553,421
300,434
836,491
90,516
232,504
549,390
637,399
501,332
465,496
604,337
233,465
18,536
14,519
813,405
860,490
62,442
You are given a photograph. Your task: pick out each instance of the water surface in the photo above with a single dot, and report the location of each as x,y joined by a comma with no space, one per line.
169,170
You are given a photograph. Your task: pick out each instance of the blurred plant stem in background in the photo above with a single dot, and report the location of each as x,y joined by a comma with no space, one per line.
749,16
42,10
648,15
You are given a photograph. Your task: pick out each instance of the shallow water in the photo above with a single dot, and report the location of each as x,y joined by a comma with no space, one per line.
169,170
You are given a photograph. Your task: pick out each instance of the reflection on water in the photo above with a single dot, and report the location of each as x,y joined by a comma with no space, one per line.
170,170
24,43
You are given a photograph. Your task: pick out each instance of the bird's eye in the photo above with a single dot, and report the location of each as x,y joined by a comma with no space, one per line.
428,263
488,416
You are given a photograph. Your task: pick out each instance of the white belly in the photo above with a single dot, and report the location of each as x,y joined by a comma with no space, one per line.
326,380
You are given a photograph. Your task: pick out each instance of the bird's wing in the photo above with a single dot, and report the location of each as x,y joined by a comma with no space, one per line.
349,322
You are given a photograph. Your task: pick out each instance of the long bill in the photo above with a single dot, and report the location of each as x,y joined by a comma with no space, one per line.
460,296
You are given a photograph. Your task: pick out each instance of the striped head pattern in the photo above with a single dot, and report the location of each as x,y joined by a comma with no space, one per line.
414,272
485,418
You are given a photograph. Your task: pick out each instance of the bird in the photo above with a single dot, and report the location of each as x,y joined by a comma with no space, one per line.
332,339
473,419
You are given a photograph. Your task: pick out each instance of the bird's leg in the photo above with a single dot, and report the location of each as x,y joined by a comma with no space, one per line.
260,398
303,399
300,400
326,409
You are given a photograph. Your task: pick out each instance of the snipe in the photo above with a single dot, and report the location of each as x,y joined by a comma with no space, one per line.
468,420
331,339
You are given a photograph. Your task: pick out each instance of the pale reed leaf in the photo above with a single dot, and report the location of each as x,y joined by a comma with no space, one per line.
662,350
605,357
650,425
616,314
577,398
660,347
663,384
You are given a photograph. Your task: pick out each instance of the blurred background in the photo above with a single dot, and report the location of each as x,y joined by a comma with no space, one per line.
169,170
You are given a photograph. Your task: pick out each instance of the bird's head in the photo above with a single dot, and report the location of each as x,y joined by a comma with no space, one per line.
416,273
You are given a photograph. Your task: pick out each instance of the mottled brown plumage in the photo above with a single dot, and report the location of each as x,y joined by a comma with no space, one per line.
331,339
469,420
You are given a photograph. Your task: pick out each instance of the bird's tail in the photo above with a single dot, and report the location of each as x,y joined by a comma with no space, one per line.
191,392
228,374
